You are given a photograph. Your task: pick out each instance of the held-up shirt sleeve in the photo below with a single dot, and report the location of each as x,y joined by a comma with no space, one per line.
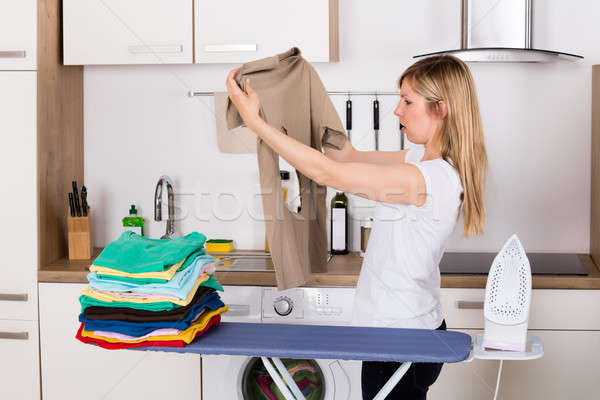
326,126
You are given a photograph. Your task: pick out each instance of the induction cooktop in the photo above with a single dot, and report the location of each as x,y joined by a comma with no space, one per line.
541,263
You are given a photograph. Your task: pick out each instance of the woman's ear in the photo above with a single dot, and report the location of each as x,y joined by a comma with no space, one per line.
442,109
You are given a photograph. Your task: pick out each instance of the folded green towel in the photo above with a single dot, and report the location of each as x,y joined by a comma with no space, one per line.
134,253
142,281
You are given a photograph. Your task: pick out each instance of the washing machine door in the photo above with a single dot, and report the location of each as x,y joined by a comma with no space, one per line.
316,379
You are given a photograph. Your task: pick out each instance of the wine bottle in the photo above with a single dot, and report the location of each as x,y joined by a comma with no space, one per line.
339,224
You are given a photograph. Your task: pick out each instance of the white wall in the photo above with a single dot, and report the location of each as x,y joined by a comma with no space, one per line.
140,124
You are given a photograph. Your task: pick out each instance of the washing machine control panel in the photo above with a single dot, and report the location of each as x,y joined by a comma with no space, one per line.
326,306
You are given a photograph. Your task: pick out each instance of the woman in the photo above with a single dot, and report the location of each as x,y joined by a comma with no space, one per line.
419,194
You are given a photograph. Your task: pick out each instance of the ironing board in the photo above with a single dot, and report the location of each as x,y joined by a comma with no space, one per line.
278,341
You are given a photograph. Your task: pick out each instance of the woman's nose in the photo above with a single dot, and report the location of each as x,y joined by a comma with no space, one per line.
398,110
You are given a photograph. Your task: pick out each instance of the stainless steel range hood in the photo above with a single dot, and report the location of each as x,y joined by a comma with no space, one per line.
499,31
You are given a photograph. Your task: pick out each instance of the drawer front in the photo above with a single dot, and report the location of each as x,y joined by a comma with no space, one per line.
18,34
19,303
19,363
565,309
463,308
550,309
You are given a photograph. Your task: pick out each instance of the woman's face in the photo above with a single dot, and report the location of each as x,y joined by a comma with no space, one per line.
420,125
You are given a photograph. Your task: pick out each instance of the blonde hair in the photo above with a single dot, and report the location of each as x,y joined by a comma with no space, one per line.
447,78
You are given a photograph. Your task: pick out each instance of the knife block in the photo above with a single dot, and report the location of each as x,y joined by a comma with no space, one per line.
79,237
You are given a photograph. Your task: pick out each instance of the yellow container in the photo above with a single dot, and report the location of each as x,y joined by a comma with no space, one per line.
219,246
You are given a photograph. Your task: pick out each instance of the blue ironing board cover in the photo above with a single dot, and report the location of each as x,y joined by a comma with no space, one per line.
329,342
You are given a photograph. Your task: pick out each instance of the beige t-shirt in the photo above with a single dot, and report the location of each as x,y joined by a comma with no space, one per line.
294,101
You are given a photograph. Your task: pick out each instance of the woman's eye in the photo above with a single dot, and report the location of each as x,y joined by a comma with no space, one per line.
408,102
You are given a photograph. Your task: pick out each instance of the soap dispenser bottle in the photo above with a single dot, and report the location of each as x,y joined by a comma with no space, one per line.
133,223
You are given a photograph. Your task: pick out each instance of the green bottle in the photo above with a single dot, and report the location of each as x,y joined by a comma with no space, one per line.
339,224
133,222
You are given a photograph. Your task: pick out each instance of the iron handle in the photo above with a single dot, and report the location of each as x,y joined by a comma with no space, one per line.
469,305
13,297
14,335
13,53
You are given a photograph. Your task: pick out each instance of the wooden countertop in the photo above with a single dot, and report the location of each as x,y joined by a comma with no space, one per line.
342,271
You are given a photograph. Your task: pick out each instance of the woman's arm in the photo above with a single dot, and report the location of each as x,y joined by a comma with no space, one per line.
393,183
349,154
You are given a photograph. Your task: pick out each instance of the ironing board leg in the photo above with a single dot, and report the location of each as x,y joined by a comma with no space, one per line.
393,381
498,380
277,379
288,378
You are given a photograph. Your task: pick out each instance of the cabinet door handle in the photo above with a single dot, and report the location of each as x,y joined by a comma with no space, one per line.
143,49
12,53
13,297
238,310
469,305
14,335
223,48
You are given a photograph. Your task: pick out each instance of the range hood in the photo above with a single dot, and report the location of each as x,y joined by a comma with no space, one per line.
499,31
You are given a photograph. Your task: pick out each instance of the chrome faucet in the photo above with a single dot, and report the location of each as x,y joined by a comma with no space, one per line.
170,203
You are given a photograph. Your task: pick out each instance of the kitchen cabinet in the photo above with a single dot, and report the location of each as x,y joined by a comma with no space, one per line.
567,321
18,22
236,31
71,369
18,195
127,32
19,364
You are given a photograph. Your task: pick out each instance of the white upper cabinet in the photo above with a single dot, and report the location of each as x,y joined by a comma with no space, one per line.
235,31
18,31
127,32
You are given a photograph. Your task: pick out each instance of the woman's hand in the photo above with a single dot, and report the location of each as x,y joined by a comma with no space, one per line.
247,103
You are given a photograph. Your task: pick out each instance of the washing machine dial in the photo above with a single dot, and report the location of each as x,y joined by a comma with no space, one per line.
283,305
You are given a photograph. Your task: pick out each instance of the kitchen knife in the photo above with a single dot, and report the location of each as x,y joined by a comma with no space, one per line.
349,118
71,204
76,199
401,137
84,204
376,122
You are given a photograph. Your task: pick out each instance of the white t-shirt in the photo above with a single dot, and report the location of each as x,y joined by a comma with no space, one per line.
399,282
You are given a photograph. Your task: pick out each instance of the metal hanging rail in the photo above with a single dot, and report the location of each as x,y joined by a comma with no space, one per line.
336,92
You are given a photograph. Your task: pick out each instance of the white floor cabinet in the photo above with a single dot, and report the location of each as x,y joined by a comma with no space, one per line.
72,370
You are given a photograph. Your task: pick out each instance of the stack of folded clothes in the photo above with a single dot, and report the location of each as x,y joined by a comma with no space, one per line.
150,292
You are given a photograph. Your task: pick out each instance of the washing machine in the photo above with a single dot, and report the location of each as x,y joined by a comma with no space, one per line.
244,378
